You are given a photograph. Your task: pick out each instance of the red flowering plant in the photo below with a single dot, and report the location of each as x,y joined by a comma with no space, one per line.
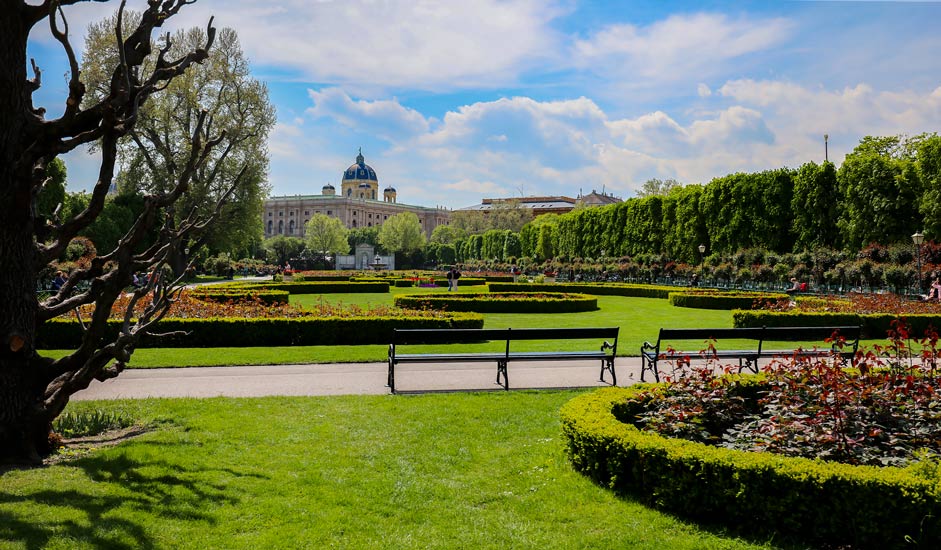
188,306
886,411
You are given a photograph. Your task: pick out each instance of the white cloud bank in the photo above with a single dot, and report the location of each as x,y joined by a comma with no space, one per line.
519,145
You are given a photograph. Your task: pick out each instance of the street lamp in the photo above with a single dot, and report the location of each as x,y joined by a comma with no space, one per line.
702,261
826,156
918,238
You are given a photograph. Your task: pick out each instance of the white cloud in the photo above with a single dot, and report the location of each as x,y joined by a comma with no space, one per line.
703,90
421,44
386,119
685,46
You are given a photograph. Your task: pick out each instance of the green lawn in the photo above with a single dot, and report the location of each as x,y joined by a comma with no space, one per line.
640,319
432,471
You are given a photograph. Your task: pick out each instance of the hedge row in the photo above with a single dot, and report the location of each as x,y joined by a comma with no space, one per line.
321,278
874,325
463,281
327,287
602,289
723,300
535,302
223,295
241,332
770,495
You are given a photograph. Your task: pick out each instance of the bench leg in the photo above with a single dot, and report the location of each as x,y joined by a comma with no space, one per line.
608,364
501,370
390,382
648,364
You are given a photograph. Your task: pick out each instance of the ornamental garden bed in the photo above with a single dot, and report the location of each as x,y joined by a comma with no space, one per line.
711,299
192,322
808,451
500,302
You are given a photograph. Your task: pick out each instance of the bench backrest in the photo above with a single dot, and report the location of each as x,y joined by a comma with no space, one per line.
701,334
465,335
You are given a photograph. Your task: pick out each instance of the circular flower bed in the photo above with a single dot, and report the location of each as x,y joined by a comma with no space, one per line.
501,302
816,502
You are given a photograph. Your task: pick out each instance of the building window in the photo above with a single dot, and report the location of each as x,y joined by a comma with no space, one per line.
329,212
307,212
370,216
354,223
270,228
370,224
386,217
373,194
270,214
349,192
281,227
291,213
291,228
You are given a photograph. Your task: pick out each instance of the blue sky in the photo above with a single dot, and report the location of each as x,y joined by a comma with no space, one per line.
452,102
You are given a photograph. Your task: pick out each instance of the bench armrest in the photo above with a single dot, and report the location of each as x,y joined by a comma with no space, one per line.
648,346
606,345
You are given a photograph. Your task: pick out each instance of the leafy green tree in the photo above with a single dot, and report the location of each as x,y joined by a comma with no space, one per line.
364,235
511,246
816,206
881,190
446,234
327,234
52,194
402,233
282,248
239,116
655,187
928,163
529,234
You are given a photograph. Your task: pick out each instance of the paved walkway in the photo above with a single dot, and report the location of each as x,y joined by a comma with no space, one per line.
347,379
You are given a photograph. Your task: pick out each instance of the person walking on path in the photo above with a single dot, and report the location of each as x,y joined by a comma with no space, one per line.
453,276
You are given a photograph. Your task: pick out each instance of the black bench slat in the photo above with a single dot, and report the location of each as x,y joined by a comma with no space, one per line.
605,353
651,353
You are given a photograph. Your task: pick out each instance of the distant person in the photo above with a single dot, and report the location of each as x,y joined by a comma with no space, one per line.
934,292
695,280
450,277
58,281
795,286
455,275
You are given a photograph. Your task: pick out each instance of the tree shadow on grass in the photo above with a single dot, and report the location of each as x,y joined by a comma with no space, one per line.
110,511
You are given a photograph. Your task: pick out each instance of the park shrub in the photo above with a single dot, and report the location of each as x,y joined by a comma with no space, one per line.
400,283
824,504
873,325
223,295
501,302
270,331
708,299
600,289
312,277
318,287
462,281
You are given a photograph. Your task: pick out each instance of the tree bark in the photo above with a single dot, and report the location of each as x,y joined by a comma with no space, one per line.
22,426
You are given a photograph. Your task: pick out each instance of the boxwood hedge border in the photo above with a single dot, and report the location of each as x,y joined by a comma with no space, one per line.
600,289
498,302
873,325
260,332
759,493
722,300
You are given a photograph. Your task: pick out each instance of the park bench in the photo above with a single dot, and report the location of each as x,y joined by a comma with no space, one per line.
505,355
665,348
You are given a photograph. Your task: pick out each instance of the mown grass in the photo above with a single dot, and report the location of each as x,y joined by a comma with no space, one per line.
640,319
433,471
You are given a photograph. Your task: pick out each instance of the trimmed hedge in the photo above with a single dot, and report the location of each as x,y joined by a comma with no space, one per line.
241,332
534,302
601,289
770,495
223,295
722,300
320,278
873,325
307,287
463,281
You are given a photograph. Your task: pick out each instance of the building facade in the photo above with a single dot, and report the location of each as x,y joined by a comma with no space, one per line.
547,205
359,204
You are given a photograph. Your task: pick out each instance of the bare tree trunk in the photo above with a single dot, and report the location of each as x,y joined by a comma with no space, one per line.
21,384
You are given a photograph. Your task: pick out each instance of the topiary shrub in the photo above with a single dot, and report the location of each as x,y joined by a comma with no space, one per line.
823,504
501,302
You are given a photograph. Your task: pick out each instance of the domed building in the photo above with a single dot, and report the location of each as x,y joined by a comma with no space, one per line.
357,205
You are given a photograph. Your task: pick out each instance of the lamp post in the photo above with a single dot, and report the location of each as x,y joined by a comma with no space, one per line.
826,156
702,262
918,238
